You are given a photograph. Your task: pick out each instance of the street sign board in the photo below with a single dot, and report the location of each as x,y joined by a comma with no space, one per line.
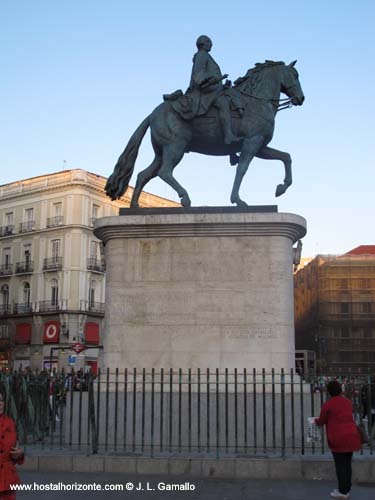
72,359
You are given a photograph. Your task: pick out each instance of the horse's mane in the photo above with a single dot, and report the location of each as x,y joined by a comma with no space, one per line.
254,75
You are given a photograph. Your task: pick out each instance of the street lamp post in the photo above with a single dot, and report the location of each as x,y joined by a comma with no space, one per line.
51,354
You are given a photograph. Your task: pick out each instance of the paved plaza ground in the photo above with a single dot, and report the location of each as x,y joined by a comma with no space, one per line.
205,489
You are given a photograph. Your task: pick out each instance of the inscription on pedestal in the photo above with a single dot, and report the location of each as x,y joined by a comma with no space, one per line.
261,333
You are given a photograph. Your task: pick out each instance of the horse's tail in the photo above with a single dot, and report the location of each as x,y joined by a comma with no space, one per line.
118,182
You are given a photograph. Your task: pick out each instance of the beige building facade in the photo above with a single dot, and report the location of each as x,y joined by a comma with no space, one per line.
335,310
52,270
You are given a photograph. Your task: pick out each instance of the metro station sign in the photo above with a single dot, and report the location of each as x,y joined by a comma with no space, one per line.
77,347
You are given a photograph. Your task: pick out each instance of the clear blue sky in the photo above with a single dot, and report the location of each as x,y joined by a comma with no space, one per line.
79,76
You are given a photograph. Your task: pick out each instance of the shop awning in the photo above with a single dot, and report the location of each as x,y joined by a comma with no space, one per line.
92,333
23,333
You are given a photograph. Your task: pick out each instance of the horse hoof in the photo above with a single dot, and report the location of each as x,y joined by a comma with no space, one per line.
185,201
241,204
280,190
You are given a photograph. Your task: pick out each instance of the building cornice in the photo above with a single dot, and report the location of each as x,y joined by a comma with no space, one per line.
64,181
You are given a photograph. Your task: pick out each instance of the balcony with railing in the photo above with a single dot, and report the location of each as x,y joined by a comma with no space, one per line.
92,307
49,306
52,264
7,230
97,265
4,333
26,267
6,269
55,221
23,308
26,227
5,340
5,310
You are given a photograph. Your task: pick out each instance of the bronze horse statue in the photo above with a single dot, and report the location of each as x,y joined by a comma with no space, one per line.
172,136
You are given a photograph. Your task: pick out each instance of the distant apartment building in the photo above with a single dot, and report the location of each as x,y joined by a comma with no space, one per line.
335,310
52,270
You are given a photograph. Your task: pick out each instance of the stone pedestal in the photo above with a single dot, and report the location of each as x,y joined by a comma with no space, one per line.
199,288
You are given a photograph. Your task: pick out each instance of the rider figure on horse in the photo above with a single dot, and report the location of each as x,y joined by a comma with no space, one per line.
206,88
175,131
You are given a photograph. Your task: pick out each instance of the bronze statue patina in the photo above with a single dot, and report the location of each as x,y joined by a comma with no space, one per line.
212,119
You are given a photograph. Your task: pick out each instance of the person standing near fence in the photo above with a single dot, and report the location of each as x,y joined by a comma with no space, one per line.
342,436
10,454
368,403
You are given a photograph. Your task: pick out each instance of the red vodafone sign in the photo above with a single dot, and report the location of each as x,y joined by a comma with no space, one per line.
77,347
51,333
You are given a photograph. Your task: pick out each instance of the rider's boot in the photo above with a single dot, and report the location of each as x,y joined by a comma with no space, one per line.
226,121
229,136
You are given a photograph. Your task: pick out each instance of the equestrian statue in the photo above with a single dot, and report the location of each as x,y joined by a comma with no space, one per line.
213,118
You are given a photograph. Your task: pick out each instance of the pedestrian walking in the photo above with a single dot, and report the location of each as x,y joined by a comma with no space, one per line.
342,436
10,454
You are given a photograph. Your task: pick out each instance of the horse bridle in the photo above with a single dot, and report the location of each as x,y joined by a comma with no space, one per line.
285,103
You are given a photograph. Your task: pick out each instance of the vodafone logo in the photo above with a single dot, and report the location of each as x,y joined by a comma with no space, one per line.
51,332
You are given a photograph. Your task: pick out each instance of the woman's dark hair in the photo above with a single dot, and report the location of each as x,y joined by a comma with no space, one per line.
334,388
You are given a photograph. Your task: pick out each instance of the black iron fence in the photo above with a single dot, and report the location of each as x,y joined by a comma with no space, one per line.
188,412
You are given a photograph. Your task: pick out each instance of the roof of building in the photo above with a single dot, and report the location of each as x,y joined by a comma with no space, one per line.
362,250
73,176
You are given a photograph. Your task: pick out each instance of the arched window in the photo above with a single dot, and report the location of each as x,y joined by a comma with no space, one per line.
5,295
26,293
54,292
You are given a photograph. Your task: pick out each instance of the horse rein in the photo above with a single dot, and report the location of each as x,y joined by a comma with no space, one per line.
285,103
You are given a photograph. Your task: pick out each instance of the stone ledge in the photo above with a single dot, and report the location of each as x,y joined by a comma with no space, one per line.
184,225
198,210
230,468
57,463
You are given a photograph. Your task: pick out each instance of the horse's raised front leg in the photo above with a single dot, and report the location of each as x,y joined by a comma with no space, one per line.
267,153
143,178
172,155
249,149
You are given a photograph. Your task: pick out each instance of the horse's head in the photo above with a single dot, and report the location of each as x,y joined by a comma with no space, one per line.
266,80
290,85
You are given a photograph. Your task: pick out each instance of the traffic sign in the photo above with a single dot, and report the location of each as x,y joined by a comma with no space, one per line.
71,360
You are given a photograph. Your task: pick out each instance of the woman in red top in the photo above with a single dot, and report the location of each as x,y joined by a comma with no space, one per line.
342,436
9,453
